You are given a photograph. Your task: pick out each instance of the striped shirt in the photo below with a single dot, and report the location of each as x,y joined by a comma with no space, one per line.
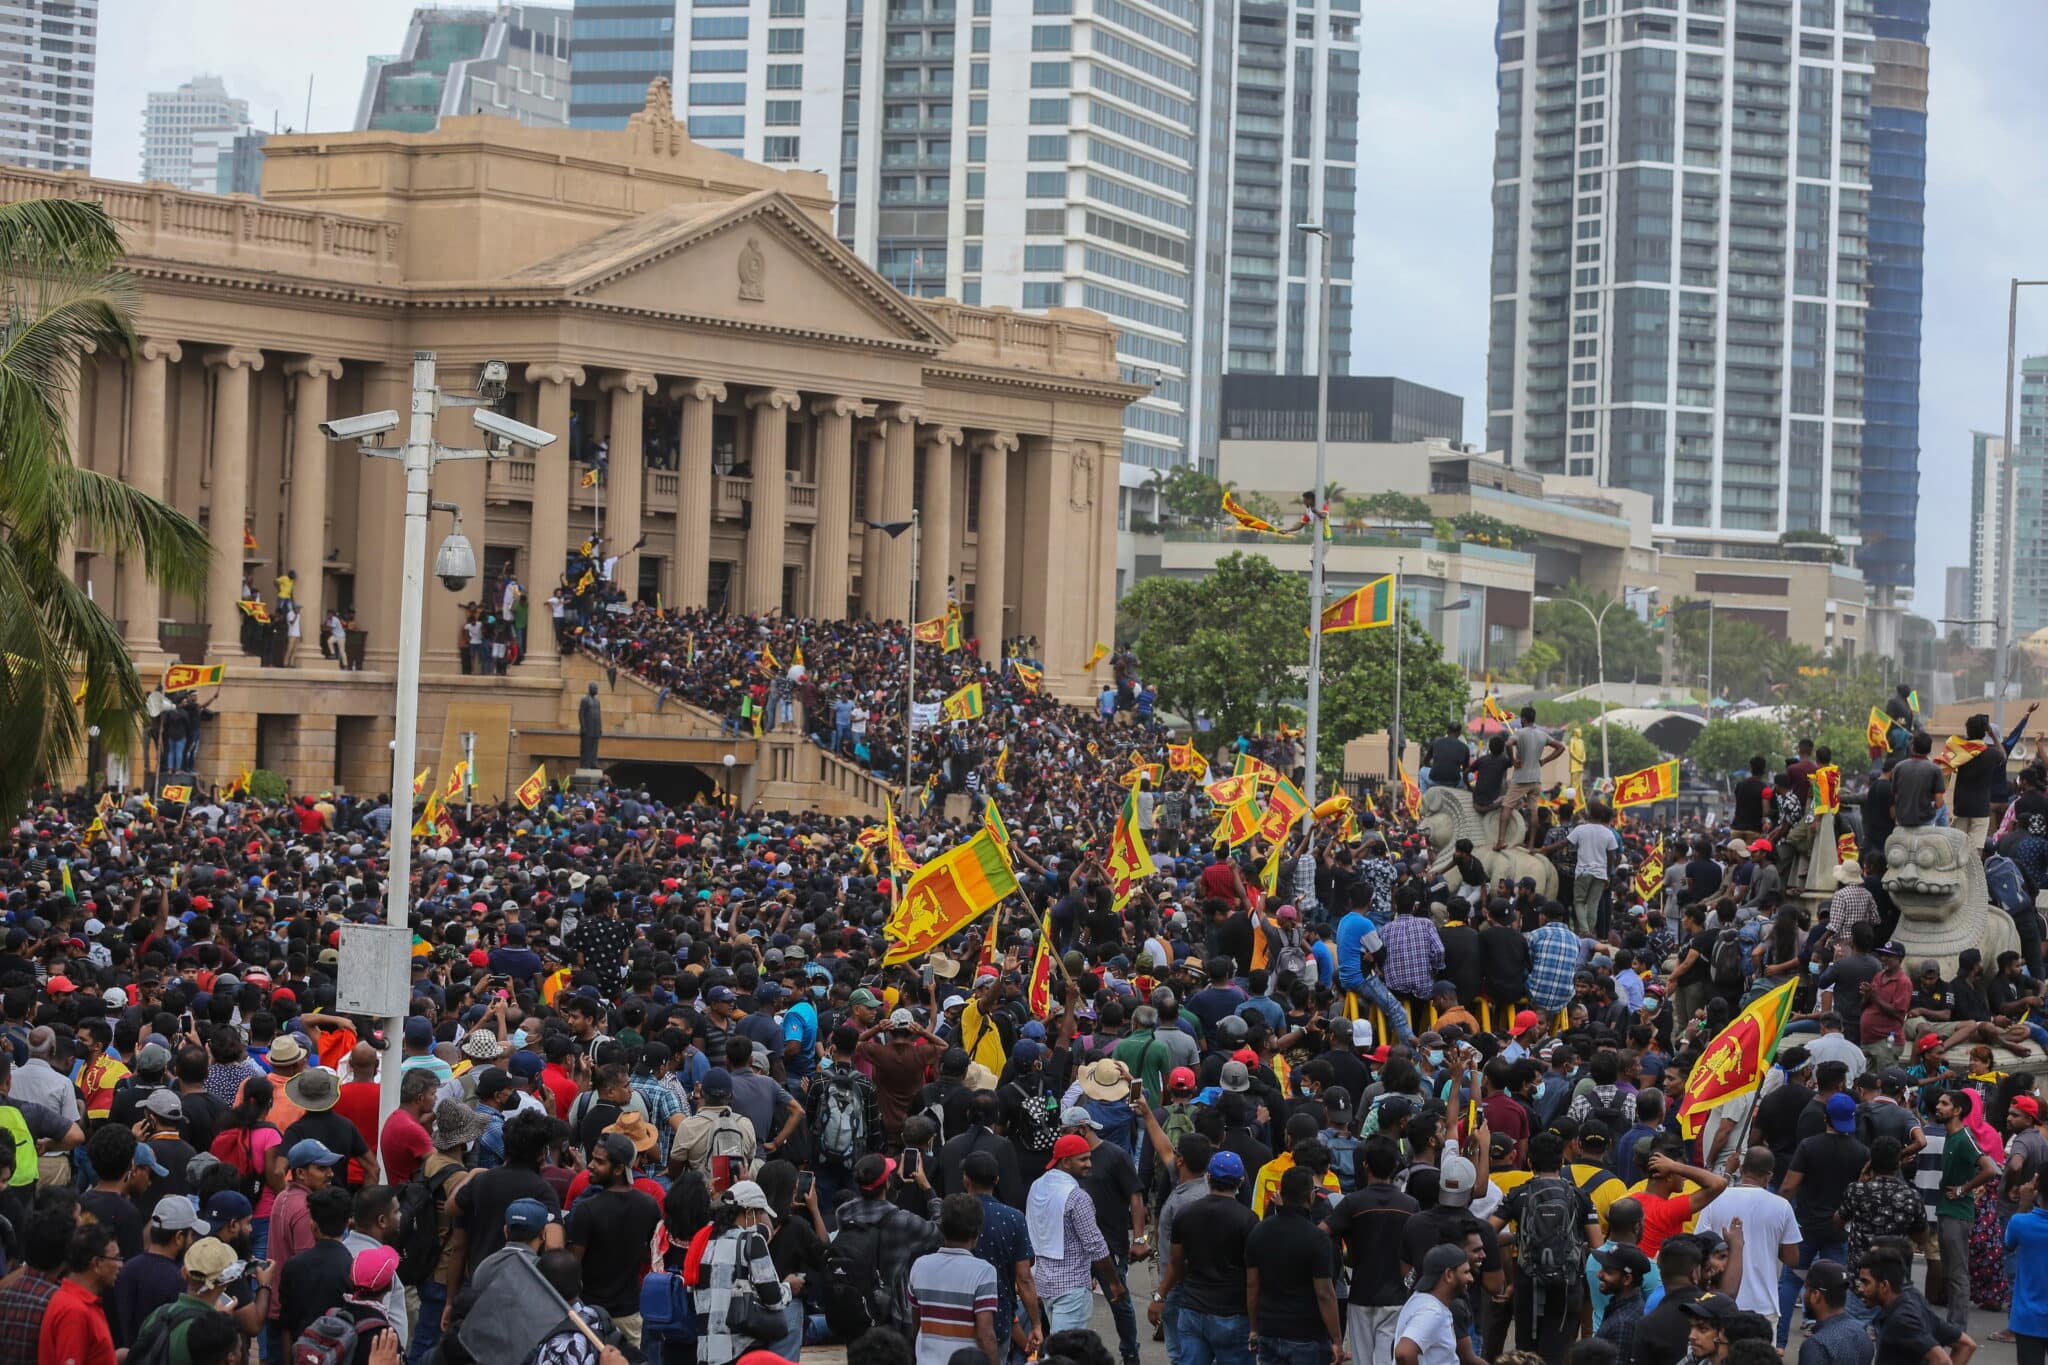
949,1289
739,1254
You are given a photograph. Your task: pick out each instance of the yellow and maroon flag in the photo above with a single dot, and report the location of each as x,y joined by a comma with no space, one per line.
1095,656
1827,790
1029,678
932,632
248,541
419,782
1650,876
1372,605
1038,987
1142,772
1845,848
1734,1063
1185,758
1877,732
458,782
1245,520
992,821
589,480
946,895
253,608
1959,751
1411,792
184,677
530,792
1265,773
430,815
1232,790
985,965
1003,762
966,704
1658,782
899,856
1284,806
181,792
1129,859
1238,823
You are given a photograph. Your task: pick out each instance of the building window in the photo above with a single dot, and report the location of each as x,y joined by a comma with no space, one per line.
788,76
785,9
1045,258
1042,293
979,41
719,59
977,184
970,293
1051,75
977,146
1051,111
1045,185
718,125
785,40
779,148
1052,38
718,26
970,256
977,113
1048,147
784,113
977,75
718,92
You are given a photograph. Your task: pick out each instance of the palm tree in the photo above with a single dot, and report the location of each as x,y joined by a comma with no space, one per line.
61,296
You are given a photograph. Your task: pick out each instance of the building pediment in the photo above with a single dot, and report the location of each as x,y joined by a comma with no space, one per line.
757,262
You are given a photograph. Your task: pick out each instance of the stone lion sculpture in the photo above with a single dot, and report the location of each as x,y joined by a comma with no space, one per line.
1448,816
1945,906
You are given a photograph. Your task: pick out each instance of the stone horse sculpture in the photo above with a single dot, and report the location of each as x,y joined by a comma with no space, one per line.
1448,816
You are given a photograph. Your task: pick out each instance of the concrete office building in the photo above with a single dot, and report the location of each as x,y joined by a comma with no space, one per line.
2029,506
1282,407
511,61
1145,158
48,58
1681,258
172,124
1957,599
615,48
1987,494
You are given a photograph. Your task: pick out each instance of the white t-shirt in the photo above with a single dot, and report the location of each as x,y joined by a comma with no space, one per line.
1425,1321
1767,1224
1592,842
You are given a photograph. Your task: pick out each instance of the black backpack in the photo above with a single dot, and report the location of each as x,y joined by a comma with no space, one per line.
1727,963
851,1291
1038,1122
419,1227
153,1343
1549,1236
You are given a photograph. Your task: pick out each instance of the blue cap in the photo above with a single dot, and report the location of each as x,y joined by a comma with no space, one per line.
1842,1113
146,1158
1226,1168
527,1065
1026,1052
224,1207
311,1152
418,1029
527,1217
716,1081
1033,1029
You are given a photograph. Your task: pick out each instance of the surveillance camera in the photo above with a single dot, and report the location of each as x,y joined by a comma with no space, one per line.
455,562
506,432
490,380
360,428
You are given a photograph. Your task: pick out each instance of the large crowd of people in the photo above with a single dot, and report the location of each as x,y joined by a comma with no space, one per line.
660,1095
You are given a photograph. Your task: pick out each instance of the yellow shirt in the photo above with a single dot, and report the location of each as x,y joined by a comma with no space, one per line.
1266,1188
285,584
981,1039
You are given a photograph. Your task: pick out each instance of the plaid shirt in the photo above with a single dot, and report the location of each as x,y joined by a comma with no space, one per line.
1553,966
1414,955
663,1108
22,1305
1084,1245
1604,1097
1624,1316
740,1254
1851,906
1841,1340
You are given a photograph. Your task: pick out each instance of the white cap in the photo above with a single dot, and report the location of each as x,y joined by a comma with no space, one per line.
953,1002
902,1019
1361,1033
114,998
1454,1182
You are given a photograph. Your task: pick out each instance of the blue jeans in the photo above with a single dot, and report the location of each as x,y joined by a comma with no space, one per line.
426,1332
259,1237
792,1343
1123,1310
1069,1311
1376,991
1280,1351
1169,1323
1206,1339
1824,1244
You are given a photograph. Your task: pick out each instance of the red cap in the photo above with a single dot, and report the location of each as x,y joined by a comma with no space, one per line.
479,958
1760,846
60,985
1379,1054
1245,1055
1930,1043
1180,1078
284,993
2028,1105
1069,1145
1526,1020
201,903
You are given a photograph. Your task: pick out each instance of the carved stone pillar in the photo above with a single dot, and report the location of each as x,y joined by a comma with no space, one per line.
305,548
831,565
549,535
990,555
768,510
140,602
870,435
622,481
228,496
690,575
899,486
936,556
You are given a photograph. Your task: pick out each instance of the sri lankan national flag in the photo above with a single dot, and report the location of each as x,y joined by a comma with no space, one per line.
1096,656
253,608
1003,762
240,786
1372,605
1269,875
1877,732
1650,876
1734,1063
1494,710
1141,772
899,856
1658,782
184,677
1031,679
1184,758
966,704
1235,510
589,480
1232,790
1038,987
430,815
1238,823
1827,790
585,583
181,792
458,782
992,821
1129,860
1959,751
248,541
419,783
1845,848
946,895
534,789
1257,768
1284,806
932,632
1411,792
64,874
769,661
986,963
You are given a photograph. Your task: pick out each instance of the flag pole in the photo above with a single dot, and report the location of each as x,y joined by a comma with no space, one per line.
910,682
1396,738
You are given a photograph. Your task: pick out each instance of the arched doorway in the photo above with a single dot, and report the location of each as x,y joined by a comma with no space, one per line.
672,784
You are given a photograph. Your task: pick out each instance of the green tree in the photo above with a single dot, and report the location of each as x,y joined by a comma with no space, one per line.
1358,688
1536,662
1627,751
1189,494
1393,507
1726,745
1631,650
61,295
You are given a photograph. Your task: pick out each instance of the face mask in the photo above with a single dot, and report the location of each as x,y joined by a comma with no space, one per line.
818,992
1436,1058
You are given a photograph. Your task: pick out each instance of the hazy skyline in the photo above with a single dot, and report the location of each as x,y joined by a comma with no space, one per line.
1425,180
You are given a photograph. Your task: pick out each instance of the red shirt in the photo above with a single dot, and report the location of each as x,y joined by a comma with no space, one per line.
75,1329
1505,1114
404,1147
1217,882
357,1103
1895,989
564,1090
1662,1217
581,1182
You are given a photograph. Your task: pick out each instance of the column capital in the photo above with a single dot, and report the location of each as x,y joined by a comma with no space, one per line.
1000,442
552,372
157,348
944,436
842,407
699,390
898,412
235,358
773,399
313,367
628,381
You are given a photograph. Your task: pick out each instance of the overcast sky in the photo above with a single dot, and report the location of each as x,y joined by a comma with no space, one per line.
1424,222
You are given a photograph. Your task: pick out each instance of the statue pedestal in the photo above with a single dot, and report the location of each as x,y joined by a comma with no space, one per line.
586,781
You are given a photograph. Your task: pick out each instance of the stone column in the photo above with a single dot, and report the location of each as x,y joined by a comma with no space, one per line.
992,549
1109,471
768,512
148,438
74,427
690,574
936,554
549,535
228,497
622,483
831,562
305,548
870,436
899,486
380,522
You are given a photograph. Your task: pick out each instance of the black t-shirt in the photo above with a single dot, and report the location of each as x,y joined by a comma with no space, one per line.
312,1282
1702,878
202,1119
1447,760
1369,1221
1441,1226
1661,1338
1489,775
2001,990
118,1212
1462,960
1749,804
1290,1253
484,1197
1777,1123
1211,1234
1847,976
1504,961
1111,1181
335,1132
1910,1328
1829,1162
613,1226
2031,814
1935,997
1970,999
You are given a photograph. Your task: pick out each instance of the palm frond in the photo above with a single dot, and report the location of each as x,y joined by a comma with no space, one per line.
102,509
57,234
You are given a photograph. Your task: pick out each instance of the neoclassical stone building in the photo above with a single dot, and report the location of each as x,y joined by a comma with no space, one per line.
759,391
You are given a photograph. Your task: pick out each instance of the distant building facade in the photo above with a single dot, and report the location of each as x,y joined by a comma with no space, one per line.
49,55
184,129
511,61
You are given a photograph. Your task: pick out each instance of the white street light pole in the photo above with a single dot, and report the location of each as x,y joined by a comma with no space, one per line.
910,680
1312,726
2007,518
1599,666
